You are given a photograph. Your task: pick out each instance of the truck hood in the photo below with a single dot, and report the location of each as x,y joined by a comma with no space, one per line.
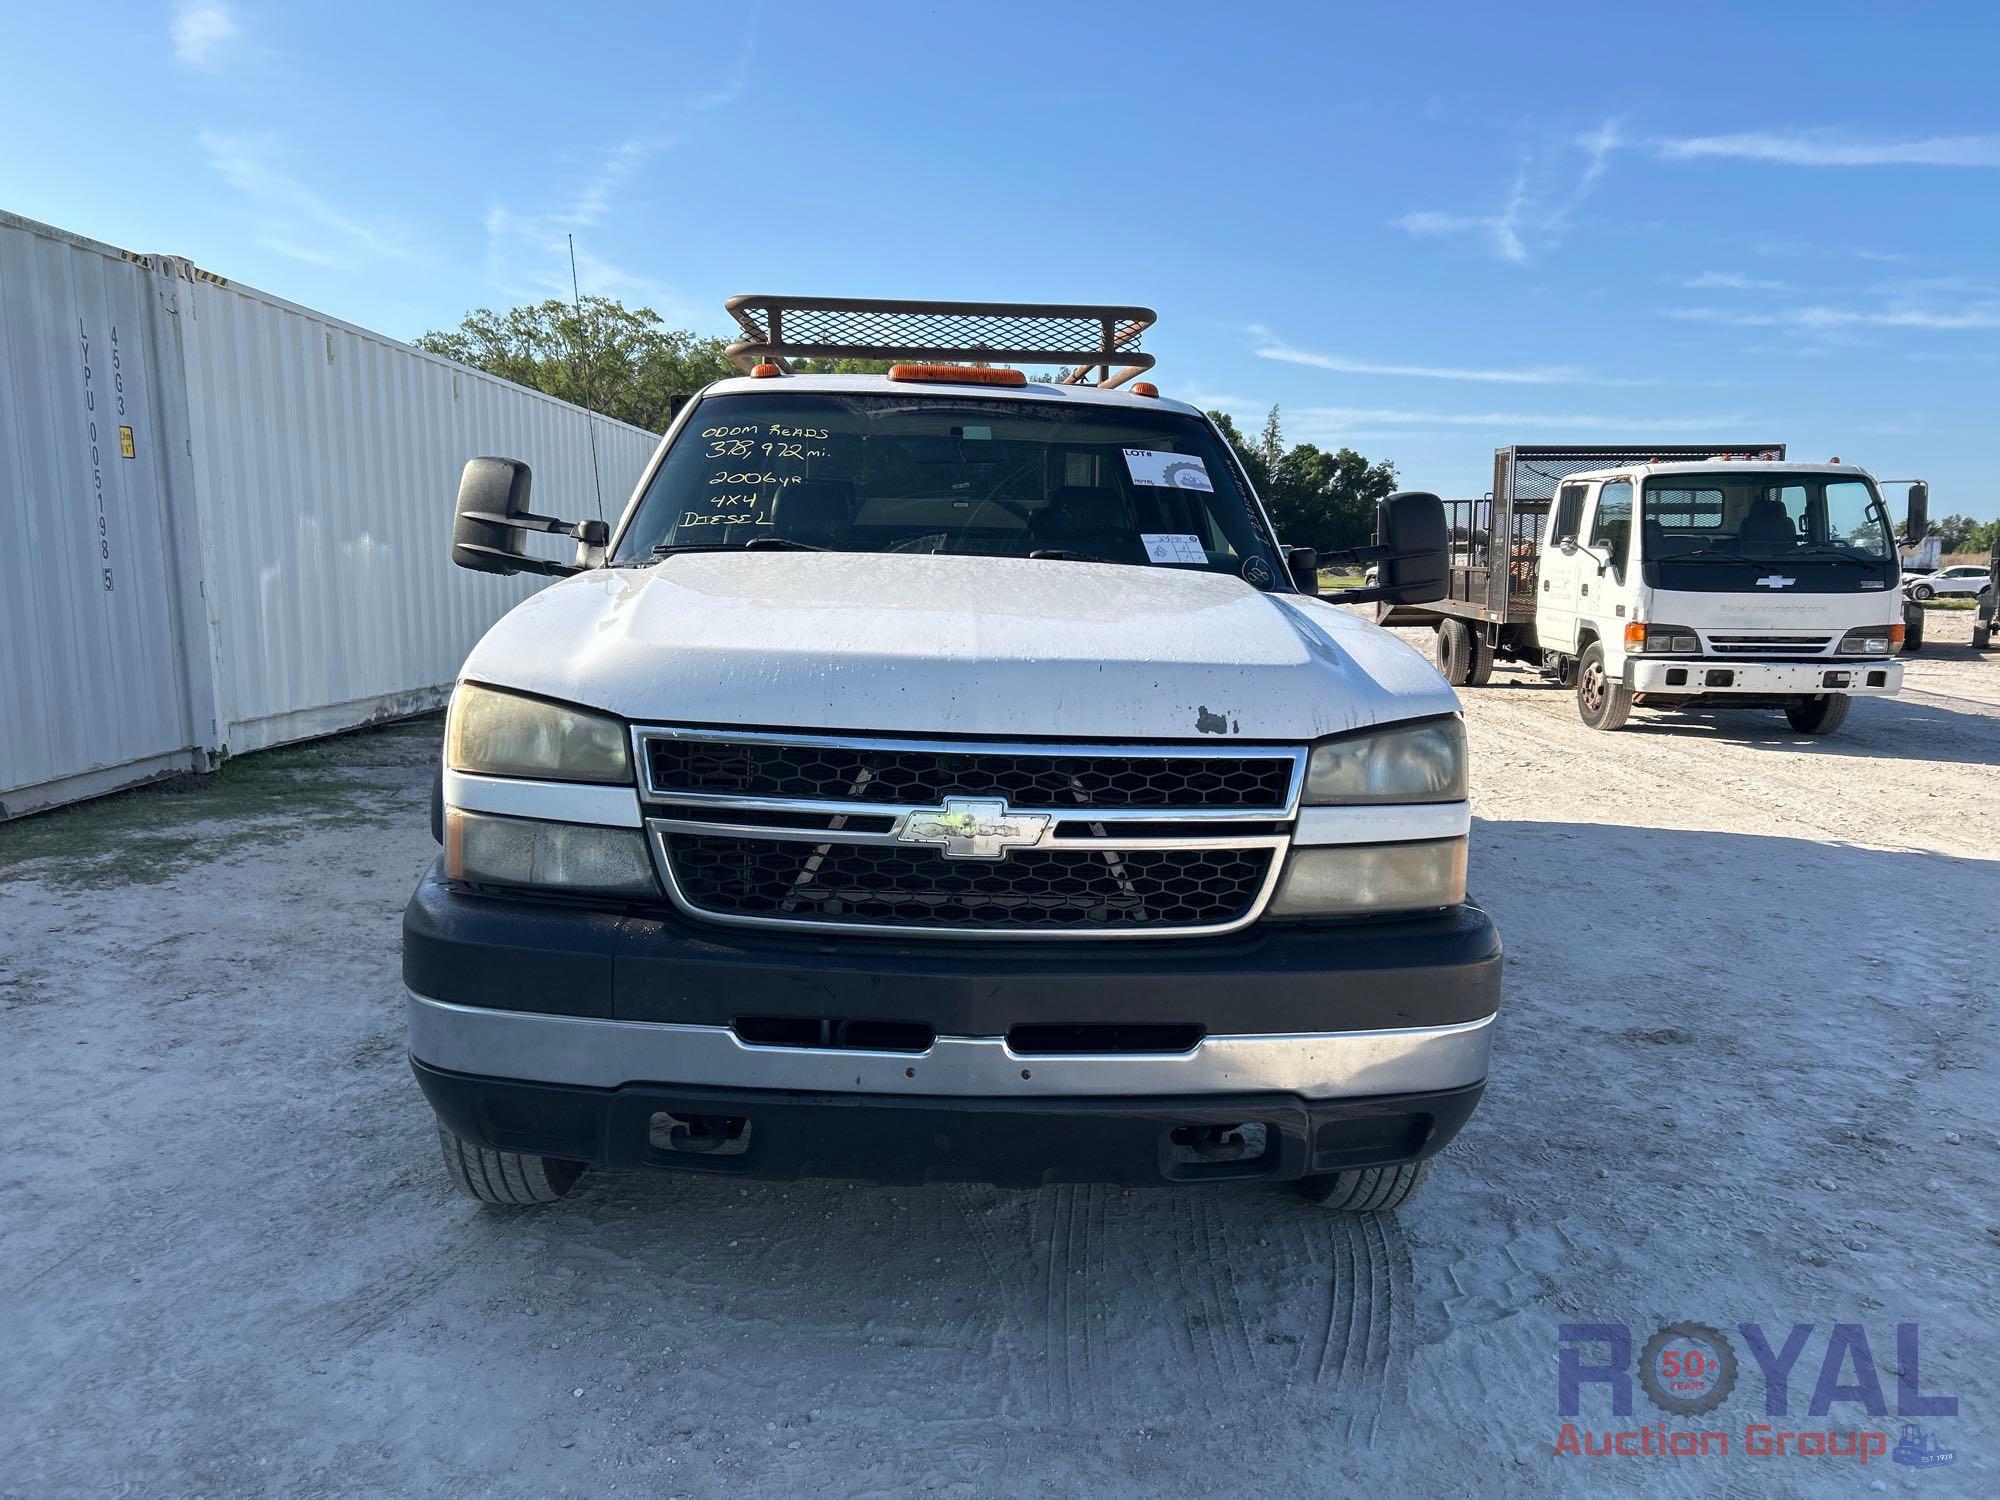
1774,611
1009,647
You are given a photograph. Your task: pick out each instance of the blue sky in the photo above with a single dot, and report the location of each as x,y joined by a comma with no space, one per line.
1423,230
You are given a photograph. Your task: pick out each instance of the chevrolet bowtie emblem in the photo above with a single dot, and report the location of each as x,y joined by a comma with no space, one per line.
973,828
1775,582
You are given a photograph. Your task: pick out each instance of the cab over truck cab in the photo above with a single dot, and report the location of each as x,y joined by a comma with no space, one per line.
1746,582
938,775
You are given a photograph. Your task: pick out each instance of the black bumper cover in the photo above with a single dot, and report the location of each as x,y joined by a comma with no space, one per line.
1012,1142
645,965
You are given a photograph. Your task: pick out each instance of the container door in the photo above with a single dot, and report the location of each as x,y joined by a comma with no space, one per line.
92,695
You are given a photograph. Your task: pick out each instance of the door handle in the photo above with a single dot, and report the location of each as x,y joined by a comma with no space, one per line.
1586,588
1545,585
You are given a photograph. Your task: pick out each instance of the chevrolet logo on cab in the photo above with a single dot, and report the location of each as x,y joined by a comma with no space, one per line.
973,828
1775,582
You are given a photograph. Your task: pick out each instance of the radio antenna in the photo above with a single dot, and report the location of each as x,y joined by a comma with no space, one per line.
576,299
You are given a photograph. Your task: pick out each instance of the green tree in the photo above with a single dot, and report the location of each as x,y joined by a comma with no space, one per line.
1956,533
618,360
1271,447
1327,500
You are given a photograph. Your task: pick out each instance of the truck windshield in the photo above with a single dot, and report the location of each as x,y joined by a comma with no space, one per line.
952,473
1765,518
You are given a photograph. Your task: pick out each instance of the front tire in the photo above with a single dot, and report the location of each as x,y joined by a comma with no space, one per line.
1601,702
1923,591
1819,716
1982,635
1367,1190
505,1179
1913,629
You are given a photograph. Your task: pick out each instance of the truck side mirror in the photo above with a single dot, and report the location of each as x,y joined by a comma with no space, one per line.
1303,564
1918,526
492,516
1410,526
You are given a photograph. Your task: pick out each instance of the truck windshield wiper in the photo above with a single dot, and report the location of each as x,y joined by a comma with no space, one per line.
755,544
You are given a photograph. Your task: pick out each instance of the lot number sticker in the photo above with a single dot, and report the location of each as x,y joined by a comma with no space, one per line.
1174,471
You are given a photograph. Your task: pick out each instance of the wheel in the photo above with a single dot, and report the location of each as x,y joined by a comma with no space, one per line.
1602,702
1913,629
1819,716
1459,653
1922,591
1982,635
1482,660
505,1178
1367,1190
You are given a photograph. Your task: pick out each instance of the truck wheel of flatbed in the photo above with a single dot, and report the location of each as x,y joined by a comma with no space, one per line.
505,1179
1913,629
1463,654
1602,703
1367,1190
1982,636
1819,716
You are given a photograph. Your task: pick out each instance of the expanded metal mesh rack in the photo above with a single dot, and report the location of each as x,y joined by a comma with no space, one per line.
1081,337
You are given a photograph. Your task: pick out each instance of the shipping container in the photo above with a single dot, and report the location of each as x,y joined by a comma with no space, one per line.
224,518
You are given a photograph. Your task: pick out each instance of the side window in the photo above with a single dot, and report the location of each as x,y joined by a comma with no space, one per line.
1567,518
1611,526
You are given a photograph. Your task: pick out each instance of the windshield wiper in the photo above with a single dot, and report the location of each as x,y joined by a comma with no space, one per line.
1058,554
755,544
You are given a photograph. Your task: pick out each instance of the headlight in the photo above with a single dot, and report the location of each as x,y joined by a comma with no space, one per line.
503,734
1871,640
1422,762
1676,640
1347,880
488,850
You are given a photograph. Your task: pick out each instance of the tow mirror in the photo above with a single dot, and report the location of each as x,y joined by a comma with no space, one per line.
1411,531
1918,526
1303,564
490,522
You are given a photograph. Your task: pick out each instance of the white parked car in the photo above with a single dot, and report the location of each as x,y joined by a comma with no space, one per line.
1968,582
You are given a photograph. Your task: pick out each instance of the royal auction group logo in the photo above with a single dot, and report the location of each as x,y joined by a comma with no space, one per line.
1689,1370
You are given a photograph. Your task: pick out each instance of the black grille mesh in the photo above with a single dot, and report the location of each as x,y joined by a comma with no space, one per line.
844,773
1053,889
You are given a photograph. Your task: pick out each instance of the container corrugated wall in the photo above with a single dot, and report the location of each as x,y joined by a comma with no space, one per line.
271,561
327,459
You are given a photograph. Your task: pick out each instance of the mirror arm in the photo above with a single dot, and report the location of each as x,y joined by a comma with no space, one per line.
520,563
525,522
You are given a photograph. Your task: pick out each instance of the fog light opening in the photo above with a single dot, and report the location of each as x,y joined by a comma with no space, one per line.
1717,678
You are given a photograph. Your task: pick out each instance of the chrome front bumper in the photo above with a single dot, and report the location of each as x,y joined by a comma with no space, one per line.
591,1053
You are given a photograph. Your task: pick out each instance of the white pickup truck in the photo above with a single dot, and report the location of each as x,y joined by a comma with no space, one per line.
939,775
1732,579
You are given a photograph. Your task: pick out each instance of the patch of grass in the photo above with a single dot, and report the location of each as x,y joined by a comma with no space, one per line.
1340,578
1951,604
152,833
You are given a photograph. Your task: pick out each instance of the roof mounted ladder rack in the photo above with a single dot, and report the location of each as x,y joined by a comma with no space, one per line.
1082,337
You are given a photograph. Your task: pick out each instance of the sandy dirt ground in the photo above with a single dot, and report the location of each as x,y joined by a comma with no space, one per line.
1745,1073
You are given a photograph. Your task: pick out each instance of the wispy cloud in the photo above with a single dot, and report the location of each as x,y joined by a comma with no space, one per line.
1832,319
289,217
1340,417
1535,375
1535,207
1732,281
1828,148
204,32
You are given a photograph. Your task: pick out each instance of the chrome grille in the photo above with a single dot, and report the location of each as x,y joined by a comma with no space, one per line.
834,832
1769,645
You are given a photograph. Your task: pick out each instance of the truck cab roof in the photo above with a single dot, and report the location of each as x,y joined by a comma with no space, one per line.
882,385
1715,466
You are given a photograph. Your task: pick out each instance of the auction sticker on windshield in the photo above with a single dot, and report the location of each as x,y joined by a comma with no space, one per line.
1174,471
1174,547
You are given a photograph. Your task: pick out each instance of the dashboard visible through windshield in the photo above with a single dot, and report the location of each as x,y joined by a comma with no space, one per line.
955,474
